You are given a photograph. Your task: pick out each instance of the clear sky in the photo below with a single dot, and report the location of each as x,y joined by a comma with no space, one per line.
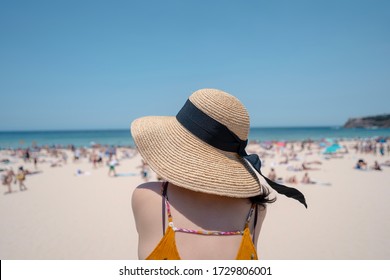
77,64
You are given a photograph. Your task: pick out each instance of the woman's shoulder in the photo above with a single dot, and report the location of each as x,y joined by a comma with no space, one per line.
146,206
146,193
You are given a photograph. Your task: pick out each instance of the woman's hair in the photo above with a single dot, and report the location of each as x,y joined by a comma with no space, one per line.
263,198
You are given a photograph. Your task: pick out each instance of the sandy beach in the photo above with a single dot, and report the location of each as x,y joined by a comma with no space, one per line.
75,211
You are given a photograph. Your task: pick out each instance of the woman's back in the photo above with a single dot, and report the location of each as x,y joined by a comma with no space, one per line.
194,211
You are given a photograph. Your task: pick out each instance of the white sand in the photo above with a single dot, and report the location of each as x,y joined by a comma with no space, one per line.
63,216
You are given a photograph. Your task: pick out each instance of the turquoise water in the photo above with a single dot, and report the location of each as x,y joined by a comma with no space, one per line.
122,137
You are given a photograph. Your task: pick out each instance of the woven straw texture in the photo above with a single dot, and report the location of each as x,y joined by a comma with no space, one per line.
184,160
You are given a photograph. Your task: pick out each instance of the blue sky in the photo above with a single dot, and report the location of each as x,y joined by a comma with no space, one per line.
100,64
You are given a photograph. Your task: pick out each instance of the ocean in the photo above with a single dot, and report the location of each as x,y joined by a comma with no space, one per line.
122,137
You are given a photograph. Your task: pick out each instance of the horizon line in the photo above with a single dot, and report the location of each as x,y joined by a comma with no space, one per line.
118,129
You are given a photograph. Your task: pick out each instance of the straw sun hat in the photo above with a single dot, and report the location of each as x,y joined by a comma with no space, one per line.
203,147
183,159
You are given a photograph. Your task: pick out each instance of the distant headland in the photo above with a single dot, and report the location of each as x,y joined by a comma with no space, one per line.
379,121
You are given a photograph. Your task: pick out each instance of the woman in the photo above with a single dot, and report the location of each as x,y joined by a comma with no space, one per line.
8,178
20,177
211,204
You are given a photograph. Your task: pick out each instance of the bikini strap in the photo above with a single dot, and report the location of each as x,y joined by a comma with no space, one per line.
164,188
248,219
254,224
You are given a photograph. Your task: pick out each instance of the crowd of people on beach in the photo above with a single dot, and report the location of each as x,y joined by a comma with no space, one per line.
57,156
292,159
372,147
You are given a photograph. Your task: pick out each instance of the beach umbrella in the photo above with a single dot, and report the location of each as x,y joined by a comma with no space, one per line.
281,144
332,149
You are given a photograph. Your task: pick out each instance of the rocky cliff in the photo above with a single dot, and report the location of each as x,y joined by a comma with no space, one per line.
380,121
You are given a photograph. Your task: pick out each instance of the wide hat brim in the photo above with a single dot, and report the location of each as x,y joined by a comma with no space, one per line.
184,160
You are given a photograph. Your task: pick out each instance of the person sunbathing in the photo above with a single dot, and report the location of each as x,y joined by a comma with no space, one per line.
361,165
376,166
272,174
306,179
